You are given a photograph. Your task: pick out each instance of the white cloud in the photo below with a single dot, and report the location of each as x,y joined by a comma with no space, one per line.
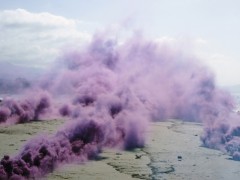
36,38
22,17
225,67
190,45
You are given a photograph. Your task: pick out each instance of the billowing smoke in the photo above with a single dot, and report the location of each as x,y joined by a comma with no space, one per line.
108,92
31,108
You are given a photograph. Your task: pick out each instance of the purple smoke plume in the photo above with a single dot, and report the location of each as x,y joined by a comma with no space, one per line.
110,92
28,109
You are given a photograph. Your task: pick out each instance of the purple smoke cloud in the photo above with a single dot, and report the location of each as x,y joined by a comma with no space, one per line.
25,110
110,92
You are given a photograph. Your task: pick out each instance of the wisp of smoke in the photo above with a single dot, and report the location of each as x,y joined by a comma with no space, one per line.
108,92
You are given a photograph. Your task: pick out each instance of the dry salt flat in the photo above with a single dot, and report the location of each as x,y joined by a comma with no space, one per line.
173,151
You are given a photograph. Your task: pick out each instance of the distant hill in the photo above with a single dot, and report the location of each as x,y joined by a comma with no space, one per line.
15,77
235,89
12,71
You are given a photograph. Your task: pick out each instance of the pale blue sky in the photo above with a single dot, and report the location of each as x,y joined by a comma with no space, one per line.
215,22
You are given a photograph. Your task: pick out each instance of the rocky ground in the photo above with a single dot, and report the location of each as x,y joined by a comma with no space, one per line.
173,151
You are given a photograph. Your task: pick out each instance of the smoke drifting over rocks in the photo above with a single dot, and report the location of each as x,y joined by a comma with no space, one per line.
31,108
108,92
